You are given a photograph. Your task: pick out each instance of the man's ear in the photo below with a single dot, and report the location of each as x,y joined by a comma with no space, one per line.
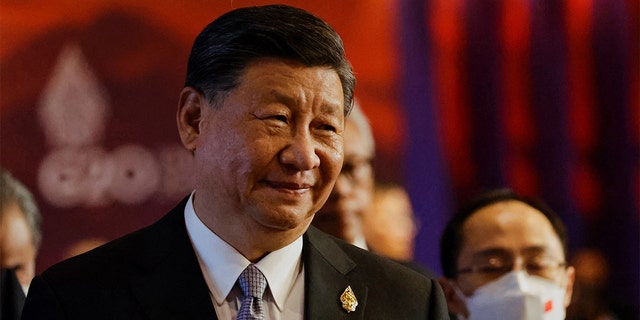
189,116
571,277
454,301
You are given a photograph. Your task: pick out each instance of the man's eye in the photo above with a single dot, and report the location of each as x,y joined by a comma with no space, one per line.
327,127
347,168
536,267
491,269
540,265
279,117
17,267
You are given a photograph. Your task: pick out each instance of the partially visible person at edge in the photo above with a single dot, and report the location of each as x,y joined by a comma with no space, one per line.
352,196
20,238
591,299
389,225
262,112
504,257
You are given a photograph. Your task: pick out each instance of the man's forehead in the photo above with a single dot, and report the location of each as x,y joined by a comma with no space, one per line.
510,226
355,146
505,216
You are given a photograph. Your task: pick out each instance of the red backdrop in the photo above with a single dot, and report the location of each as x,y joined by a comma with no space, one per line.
88,97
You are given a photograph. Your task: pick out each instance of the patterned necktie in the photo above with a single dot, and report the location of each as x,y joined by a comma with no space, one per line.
253,283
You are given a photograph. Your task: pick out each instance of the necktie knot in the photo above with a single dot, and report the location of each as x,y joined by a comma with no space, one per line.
253,283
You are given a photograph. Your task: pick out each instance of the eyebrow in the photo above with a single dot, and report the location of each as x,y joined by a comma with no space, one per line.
535,250
489,252
527,252
289,100
331,109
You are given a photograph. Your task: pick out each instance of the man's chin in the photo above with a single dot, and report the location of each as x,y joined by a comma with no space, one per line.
285,219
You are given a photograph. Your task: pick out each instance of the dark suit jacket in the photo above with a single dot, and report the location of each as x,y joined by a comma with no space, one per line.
154,274
11,295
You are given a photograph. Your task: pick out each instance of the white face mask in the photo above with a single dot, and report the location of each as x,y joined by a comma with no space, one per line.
517,296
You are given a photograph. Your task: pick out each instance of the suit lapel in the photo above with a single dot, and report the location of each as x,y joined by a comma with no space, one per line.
170,284
327,270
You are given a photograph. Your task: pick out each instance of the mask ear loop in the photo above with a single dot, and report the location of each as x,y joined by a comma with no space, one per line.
458,292
452,291
463,299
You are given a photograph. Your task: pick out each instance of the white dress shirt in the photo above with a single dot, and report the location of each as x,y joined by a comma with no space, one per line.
360,242
221,265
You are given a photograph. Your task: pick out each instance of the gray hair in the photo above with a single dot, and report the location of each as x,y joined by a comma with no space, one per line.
361,121
12,192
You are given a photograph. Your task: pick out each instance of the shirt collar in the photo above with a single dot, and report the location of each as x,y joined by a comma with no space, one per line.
360,242
281,268
223,264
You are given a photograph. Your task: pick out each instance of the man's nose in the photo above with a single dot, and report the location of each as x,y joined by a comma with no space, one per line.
519,264
301,153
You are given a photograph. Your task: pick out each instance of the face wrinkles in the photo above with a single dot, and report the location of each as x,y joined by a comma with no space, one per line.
268,157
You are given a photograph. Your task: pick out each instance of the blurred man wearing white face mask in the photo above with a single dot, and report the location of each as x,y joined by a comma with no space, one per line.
504,257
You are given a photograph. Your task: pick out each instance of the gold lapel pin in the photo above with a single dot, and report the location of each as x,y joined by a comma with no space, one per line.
348,299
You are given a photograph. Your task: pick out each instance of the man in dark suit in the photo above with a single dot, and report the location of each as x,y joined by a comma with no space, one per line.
262,111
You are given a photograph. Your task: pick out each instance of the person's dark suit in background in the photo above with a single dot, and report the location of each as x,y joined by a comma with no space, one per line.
11,295
263,110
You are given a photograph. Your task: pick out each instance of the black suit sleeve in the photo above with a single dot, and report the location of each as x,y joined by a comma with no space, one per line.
438,303
11,295
42,302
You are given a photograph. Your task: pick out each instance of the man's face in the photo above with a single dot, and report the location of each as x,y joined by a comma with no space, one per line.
510,233
267,158
352,194
17,249
389,226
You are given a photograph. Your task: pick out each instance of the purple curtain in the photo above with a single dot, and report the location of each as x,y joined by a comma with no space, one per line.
607,219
